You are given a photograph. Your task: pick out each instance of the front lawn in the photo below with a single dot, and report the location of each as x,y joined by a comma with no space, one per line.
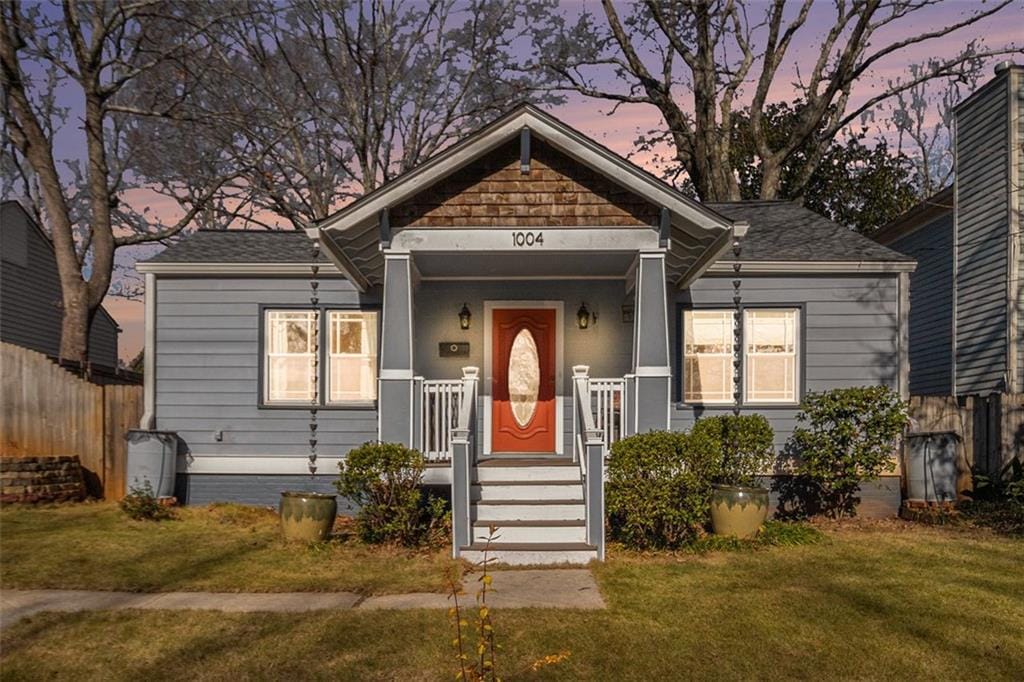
222,548
891,600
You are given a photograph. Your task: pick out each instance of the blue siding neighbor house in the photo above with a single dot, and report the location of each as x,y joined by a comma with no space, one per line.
510,307
30,295
967,295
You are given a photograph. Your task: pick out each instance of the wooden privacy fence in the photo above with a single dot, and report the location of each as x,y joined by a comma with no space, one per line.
990,429
46,410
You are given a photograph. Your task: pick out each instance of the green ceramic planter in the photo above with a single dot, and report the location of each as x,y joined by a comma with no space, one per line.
307,517
738,510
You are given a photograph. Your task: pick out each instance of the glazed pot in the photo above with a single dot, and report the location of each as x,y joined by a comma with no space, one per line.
307,517
738,510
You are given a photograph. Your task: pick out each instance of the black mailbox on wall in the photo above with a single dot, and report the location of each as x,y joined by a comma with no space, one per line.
453,349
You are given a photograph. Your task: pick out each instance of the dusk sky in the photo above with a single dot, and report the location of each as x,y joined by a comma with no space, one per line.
619,131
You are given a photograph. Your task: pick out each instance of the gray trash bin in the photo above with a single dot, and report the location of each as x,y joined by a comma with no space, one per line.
151,457
931,466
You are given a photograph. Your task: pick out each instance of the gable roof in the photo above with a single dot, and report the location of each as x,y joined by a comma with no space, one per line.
924,213
780,231
786,231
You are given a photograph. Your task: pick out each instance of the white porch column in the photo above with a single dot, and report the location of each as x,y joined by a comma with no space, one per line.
652,393
395,399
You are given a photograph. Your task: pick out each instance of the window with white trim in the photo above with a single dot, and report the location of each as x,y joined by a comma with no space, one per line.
771,340
707,356
348,359
352,369
290,337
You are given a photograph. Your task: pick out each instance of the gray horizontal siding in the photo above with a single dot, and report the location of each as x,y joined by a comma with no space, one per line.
260,490
931,306
850,334
981,231
208,367
30,294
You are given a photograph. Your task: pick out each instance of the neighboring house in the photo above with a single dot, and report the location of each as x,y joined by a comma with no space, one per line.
967,295
30,296
594,300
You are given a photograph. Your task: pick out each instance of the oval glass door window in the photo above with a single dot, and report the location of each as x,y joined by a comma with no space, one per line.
523,377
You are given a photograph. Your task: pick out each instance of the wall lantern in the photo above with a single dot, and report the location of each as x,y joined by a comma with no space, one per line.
584,317
465,316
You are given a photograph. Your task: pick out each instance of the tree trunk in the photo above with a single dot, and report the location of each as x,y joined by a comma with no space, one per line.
75,323
771,179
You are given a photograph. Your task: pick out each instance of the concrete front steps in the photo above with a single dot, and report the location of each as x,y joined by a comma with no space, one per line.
535,505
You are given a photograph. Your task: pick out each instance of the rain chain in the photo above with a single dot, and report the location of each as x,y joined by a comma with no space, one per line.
737,328
314,300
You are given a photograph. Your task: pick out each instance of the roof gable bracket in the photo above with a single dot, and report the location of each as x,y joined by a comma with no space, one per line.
664,226
341,261
524,151
384,224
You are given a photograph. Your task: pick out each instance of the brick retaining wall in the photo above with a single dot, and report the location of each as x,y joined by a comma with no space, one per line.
41,479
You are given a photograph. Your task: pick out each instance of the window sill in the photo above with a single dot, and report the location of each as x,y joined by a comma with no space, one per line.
362,406
730,406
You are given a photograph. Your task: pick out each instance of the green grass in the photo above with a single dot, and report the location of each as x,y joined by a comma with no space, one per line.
223,548
889,601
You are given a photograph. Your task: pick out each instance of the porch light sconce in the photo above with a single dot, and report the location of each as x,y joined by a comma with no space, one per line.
465,316
584,317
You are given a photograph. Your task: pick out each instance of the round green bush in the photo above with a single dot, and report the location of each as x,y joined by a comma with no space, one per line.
746,443
659,488
386,481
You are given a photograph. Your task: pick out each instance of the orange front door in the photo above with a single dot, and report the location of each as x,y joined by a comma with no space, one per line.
523,392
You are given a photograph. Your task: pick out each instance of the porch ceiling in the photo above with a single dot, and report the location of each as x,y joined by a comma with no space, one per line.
535,265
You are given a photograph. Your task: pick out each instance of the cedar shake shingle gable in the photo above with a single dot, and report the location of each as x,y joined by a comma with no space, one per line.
493,192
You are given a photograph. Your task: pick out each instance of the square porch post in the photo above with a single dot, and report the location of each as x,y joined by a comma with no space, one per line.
395,395
653,376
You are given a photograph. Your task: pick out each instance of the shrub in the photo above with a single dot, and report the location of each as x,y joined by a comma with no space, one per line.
849,438
385,480
141,504
746,444
659,488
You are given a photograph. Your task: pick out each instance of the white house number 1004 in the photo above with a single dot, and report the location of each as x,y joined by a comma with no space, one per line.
527,239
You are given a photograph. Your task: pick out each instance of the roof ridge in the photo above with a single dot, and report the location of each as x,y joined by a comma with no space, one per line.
228,230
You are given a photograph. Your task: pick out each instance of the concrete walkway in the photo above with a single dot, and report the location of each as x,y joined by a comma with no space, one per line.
550,588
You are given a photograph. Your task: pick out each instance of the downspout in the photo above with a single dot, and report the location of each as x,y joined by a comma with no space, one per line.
148,421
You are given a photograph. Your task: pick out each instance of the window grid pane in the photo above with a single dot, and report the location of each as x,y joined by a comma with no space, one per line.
708,356
291,337
771,356
352,356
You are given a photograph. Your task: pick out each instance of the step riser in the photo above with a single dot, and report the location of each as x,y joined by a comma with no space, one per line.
527,492
531,473
532,558
515,534
530,512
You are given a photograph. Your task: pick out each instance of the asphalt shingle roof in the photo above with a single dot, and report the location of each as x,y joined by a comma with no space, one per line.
785,231
239,246
779,231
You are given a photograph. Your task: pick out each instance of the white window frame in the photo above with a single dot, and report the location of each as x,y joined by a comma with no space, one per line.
322,316
370,320
729,363
267,356
796,355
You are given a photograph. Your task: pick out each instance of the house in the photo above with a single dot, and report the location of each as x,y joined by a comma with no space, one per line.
509,307
967,295
30,293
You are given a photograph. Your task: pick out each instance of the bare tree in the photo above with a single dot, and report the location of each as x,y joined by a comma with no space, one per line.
726,55
97,52
346,94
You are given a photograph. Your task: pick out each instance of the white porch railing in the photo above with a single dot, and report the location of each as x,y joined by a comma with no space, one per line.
439,402
608,406
589,450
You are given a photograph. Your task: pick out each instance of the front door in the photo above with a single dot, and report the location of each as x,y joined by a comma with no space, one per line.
523,392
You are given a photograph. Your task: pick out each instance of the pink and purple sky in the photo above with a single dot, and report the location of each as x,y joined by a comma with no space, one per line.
619,131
